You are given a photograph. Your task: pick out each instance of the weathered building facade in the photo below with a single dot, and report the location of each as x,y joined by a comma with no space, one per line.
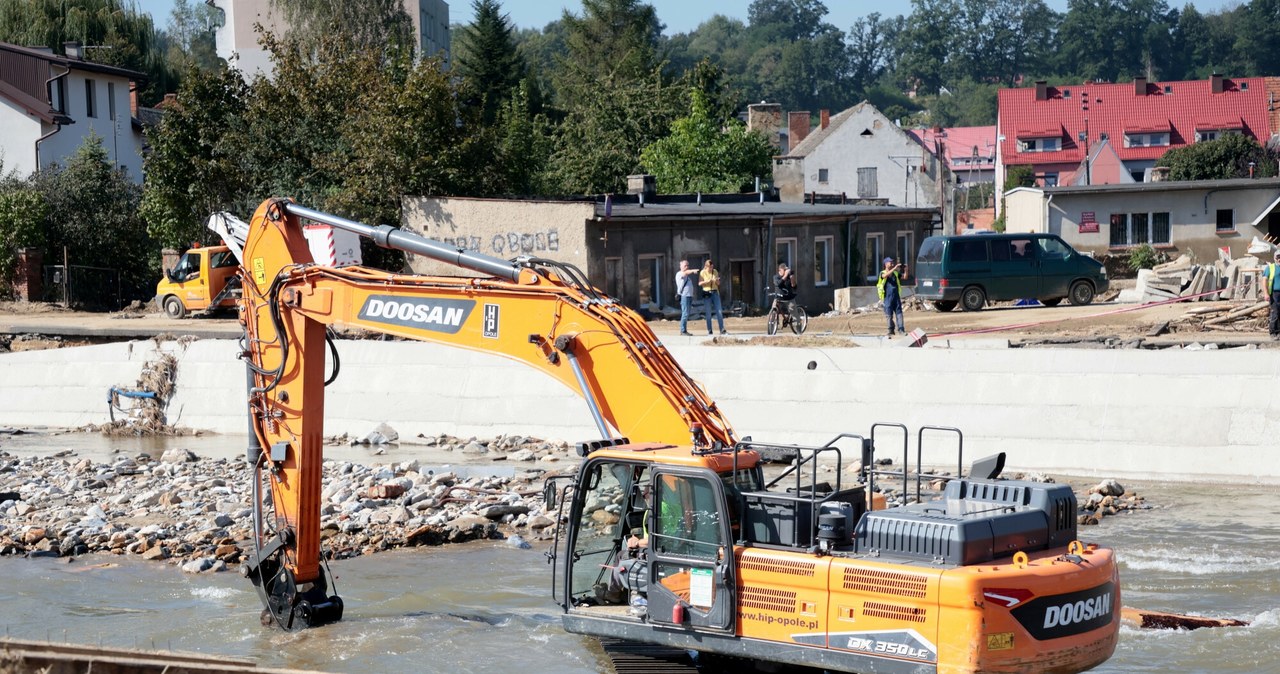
863,156
632,249
1195,216
51,103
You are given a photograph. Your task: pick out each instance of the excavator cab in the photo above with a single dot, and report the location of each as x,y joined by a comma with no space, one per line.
687,516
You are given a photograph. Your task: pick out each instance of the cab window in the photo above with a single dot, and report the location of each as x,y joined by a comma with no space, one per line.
1053,249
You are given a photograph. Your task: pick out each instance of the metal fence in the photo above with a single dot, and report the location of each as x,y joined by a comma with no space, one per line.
83,287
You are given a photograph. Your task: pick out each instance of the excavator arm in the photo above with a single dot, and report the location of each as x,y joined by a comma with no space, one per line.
540,312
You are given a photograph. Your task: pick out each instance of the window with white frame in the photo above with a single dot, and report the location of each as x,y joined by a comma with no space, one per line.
1039,144
1160,139
1135,229
874,252
905,246
823,175
111,101
1205,135
784,250
822,248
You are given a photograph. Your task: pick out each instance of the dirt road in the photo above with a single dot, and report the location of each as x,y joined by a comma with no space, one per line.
1094,323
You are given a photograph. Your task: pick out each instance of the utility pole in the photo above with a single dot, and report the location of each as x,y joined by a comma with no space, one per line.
1084,107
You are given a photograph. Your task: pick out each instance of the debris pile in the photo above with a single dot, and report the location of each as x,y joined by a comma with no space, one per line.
1108,497
195,512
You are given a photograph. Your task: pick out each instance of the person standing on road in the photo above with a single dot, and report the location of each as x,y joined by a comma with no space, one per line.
709,280
890,290
1270,285
684,288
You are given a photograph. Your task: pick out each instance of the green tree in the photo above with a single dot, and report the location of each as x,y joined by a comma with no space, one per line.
93,215
1257,39
871,50
1226,157
1114,40
374,25
189,37
194,167
23,214
614,95
485,53
339,128
525,144
965,103
927,42
707,154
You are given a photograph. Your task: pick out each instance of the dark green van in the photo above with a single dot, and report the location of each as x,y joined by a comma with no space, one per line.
973,269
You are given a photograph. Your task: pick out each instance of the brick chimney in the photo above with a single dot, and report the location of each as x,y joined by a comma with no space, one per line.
1215,83
1042,90
797,127
133,99
824,119
1139,86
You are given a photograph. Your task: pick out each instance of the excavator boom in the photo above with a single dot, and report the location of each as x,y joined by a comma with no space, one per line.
540,312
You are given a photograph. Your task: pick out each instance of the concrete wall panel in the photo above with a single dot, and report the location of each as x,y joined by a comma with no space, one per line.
1167,414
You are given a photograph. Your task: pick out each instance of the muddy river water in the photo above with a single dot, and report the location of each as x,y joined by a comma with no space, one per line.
486,607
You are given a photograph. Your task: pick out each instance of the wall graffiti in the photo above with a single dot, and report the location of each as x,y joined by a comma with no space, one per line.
466,242
511,243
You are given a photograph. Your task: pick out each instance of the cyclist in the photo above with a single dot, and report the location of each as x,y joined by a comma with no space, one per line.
784,283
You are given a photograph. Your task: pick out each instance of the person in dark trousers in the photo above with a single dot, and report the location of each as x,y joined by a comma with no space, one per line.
709,280
686,278
890,290
1270,287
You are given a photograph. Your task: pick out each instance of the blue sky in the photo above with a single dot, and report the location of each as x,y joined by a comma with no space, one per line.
681,16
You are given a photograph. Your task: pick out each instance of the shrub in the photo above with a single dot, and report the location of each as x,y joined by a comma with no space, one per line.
1143,257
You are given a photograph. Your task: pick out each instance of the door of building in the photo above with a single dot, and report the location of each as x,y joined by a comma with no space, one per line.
742,282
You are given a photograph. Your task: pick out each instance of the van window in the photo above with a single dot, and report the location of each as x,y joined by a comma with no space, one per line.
1053,249
930,251
1012,249
968,250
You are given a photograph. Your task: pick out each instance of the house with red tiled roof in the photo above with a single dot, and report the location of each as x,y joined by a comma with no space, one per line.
1049,127
50,103
969,151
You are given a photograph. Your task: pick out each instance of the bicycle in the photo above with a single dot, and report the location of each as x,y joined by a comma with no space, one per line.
784,313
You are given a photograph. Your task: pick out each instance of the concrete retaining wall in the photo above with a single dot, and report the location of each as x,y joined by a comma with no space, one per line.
1151,414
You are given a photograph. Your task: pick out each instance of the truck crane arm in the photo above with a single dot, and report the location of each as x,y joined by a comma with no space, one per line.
539,312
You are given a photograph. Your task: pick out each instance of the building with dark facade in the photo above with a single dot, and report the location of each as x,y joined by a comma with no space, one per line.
631,247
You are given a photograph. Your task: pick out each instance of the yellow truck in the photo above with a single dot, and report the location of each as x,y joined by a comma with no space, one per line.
203,280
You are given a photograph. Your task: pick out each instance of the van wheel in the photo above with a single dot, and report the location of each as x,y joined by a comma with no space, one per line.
944,305
973,299
173,307
1052,302
1081,293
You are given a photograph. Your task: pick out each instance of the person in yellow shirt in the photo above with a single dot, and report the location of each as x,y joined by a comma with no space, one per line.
709,280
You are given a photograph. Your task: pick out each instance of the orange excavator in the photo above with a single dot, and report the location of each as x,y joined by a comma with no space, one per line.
674,531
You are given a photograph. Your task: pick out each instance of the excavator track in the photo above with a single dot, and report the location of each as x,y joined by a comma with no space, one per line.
629,657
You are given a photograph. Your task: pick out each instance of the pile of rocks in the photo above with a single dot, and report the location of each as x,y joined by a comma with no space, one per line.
1108,498
196,512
